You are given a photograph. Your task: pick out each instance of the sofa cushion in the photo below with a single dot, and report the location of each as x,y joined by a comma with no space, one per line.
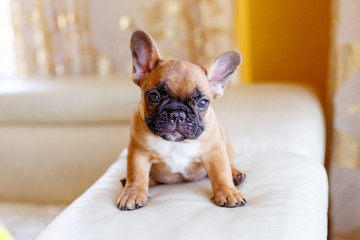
68,100
286,199
273,117
278,135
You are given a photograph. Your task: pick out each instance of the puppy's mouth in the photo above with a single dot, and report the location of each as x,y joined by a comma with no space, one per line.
171,132
172,136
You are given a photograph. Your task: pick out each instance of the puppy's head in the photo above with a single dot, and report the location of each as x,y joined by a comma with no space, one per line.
175,94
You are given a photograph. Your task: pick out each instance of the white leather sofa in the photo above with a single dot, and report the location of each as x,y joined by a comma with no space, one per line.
57,137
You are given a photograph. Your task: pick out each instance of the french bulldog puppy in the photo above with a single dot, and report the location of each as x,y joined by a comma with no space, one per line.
175,135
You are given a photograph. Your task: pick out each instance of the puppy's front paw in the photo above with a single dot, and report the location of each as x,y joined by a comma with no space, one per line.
228,197
132,198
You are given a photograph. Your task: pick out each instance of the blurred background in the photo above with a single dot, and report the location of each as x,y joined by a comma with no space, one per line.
316,43
282,41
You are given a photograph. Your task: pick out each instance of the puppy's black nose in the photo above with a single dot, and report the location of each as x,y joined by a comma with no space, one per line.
177,116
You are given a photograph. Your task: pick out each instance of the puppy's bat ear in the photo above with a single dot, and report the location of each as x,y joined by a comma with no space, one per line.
219,70
145,55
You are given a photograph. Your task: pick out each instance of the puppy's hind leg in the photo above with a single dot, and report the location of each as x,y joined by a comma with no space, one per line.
238,176
152,182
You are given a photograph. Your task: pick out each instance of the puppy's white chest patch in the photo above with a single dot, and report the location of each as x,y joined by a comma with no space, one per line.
176,155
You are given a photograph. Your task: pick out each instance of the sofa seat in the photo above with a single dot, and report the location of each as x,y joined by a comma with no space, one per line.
279,140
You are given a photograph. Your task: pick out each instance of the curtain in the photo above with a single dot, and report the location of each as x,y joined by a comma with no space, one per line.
82,37
53,37
344,89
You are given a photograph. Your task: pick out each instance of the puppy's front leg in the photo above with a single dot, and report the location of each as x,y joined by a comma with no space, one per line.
218,168
135,194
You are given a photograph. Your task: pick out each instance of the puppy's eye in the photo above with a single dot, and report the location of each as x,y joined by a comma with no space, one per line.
203,103
154,97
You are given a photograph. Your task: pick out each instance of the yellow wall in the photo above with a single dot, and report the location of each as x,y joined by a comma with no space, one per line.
284,40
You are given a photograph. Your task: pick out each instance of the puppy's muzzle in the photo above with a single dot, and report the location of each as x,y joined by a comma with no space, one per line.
175,122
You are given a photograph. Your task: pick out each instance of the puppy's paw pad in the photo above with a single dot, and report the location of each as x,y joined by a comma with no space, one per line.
229,197
131,199
238,177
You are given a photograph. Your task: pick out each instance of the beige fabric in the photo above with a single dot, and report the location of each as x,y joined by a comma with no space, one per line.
278,134
344,85
286,194
56,163
57,137
262,117
68,100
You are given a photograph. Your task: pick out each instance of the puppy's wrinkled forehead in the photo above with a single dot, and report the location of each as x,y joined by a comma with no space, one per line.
181,78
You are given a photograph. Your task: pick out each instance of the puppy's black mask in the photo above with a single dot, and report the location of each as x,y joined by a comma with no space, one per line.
174,119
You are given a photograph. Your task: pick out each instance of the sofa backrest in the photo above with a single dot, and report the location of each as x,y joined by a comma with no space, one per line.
57,136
